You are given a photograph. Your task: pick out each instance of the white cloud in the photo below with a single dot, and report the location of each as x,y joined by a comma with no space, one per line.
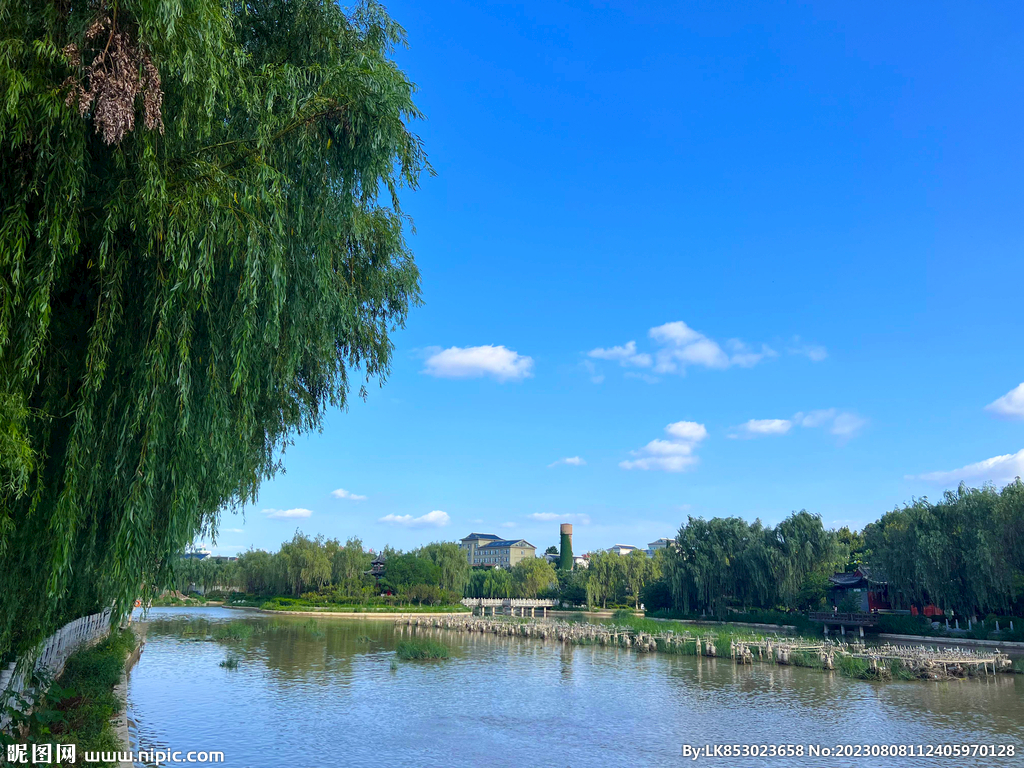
550,517
683,346
287,514
815,418
506,525
646,377
762,427
744,357
1010,405
573,461
674,455
847,425
341,493
840,423
233,530
595,375
677,333
667,448
435,519
998,469
815,352
689,431
472,362
625,355
661,463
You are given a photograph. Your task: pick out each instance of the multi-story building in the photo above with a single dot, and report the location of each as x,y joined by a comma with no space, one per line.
657,544
488,550
473,542
622,549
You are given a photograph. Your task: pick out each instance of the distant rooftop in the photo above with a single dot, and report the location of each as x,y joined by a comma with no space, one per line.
509,543
473,536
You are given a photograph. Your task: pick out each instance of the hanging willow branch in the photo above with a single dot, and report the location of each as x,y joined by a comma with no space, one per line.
178,301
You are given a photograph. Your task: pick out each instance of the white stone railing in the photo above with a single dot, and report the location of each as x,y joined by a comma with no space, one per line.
49,658
512,602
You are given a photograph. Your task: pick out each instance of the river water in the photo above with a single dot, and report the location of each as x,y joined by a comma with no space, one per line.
330,697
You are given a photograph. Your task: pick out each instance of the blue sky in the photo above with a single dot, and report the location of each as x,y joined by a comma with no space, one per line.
730,258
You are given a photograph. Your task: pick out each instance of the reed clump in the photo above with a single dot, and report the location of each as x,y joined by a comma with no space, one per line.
806,659
421,648
850,666
312,628
195,629
232,631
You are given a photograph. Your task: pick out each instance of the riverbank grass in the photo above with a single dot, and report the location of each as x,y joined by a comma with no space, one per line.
421,649
78,707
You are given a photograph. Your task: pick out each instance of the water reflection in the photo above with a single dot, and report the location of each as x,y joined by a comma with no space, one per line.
328,696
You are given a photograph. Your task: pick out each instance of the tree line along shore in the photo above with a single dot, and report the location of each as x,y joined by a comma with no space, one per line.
963,553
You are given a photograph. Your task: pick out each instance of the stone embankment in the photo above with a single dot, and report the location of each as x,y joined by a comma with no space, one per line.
574,633
854,659
120,720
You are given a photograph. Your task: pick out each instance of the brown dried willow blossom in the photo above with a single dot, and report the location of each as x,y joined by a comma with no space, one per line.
121,71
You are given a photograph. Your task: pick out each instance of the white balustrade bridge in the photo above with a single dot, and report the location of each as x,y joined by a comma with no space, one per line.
510,606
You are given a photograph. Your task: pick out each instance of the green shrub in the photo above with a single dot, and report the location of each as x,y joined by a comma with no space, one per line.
902,624
757,616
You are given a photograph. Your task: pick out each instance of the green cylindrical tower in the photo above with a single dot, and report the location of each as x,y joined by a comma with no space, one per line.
565,551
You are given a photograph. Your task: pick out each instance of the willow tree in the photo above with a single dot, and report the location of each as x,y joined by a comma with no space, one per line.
201,250
805,548
962,553
451,559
